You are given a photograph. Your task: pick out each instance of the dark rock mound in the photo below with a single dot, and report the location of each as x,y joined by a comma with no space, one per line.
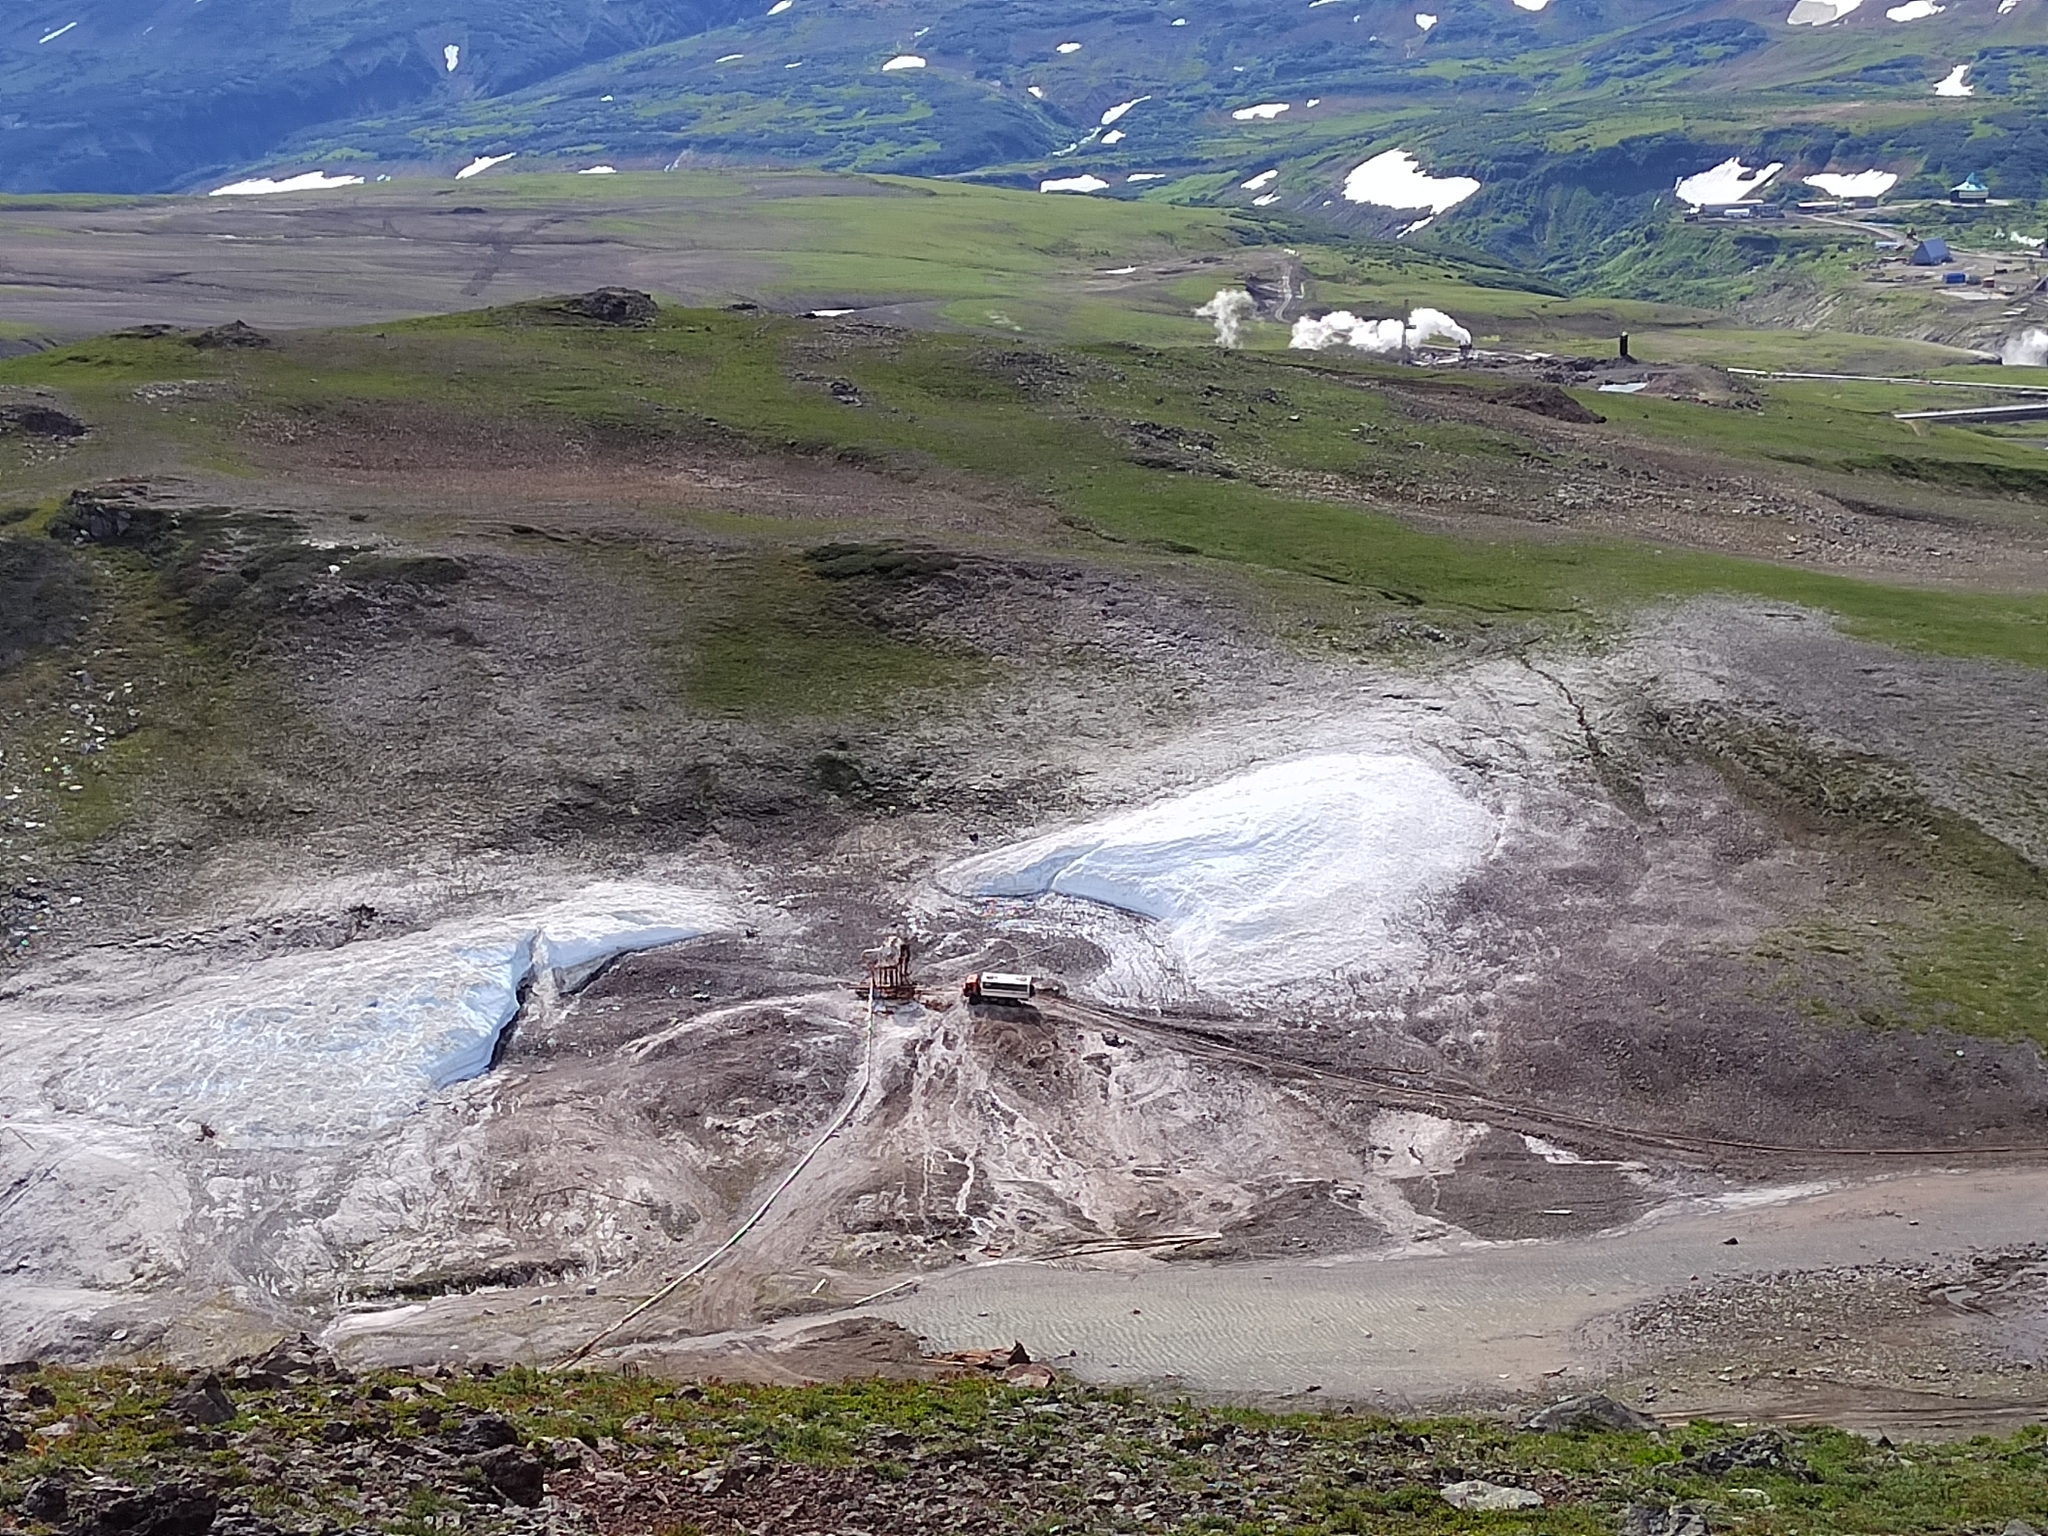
119,512
236,333
515,1474
1591,1410
481,1433
614,306
288,1362
46,1499
168,1509
201,1402
1766,1451
1545,400
40,421
1678,1520
45,595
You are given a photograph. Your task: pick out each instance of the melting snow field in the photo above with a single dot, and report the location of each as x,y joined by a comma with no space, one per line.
1914,10
1263,179
1393,179
1955,83
1268,883
1073,184
1854,183
1264,112
1729,182
261,186
481,164
315,1049
903,61
452,57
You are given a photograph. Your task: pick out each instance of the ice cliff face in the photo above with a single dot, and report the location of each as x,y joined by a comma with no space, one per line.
309,1050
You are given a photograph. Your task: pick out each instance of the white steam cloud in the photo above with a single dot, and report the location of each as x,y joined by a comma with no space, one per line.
1341,328
2029,349
1228,311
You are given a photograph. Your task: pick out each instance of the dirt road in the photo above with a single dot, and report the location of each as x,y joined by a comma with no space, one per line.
1476,1321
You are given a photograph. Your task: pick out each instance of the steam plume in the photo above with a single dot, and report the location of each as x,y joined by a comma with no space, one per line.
1228,310
1341,328
2029,349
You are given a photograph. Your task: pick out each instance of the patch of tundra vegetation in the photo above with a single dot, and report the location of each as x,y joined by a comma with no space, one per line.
523,1450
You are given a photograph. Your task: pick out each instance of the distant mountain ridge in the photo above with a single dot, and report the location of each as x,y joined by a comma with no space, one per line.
1575,117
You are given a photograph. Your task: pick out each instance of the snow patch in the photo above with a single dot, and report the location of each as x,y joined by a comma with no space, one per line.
2005,7
1269,883
780,6
1037,91
1914,10
1424,20
1146,176
1955,83
1821,13
481,164
1266,201
599,170
1264,178
1073,184
51,37
1264,112
261,186
1114,136
452,57
322,1048
1116,113
728,58
1068,48
1729,182
1854,183
1531,5
1393,179
904,61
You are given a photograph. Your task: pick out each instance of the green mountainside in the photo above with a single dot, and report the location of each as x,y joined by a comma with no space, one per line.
1576,120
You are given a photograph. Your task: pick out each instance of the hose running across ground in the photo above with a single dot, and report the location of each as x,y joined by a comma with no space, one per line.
846,1113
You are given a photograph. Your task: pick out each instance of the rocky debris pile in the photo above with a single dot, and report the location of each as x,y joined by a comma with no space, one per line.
1544,400
40,421
309,1449
1478,1494
124,512
1591,1411
613,306
1766,1451
235,334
